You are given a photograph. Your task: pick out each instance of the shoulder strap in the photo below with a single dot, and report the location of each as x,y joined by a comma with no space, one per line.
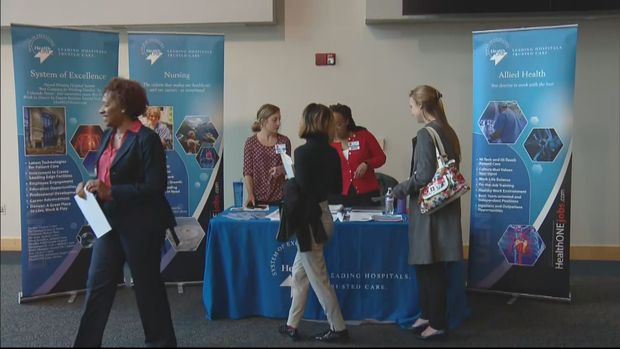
437,141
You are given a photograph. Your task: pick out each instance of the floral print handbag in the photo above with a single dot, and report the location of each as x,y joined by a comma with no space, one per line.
447,185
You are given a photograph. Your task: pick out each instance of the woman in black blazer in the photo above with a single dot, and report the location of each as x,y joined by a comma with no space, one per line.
130,186
317,175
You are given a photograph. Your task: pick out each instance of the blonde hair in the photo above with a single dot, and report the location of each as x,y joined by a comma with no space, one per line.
153,111
317,120
264,112
430,99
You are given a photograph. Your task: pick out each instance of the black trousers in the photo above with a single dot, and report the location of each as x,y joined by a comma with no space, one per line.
141,250
433,289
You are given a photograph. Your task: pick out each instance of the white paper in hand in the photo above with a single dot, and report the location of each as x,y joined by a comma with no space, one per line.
93,214
288,165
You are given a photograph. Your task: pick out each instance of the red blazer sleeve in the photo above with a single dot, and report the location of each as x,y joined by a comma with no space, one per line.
377,156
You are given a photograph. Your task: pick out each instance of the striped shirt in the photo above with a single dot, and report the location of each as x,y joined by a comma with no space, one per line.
163,131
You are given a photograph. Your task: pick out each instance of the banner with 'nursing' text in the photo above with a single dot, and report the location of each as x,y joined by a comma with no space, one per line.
183,75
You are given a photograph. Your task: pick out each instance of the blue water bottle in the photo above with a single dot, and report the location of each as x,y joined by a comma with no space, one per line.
238,191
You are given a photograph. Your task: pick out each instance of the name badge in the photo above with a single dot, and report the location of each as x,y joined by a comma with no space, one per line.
280,148
354,145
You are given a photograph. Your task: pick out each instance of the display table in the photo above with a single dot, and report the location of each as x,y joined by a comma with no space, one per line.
248,273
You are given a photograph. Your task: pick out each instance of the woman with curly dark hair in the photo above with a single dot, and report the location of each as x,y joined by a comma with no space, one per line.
130,186
360,155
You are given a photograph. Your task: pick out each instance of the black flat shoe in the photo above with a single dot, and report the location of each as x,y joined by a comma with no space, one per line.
288,331
435,336
333,336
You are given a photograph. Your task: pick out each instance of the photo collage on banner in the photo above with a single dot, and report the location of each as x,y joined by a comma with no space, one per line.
524,83
184,79
60,75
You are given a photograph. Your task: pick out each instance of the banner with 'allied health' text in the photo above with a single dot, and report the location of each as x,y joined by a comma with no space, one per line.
524,83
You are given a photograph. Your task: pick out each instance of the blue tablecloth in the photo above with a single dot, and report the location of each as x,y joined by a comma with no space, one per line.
247,273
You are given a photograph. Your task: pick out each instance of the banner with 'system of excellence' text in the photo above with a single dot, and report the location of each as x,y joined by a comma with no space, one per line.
183,75
524,83
60,75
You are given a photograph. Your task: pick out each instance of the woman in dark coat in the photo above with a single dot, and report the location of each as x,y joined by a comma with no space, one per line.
434,239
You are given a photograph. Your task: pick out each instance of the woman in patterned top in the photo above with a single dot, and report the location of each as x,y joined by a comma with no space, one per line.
262,163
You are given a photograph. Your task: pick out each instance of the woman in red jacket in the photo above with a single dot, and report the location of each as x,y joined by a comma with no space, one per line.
360,154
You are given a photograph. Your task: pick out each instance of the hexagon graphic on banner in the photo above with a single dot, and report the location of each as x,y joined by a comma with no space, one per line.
502,122
195,133
543,145
207,158
89,163
86,237
521,245
86,138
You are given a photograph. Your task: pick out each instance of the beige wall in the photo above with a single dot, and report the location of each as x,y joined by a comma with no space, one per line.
105,13
376,68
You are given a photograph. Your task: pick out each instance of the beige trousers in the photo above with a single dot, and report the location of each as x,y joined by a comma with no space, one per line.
309,270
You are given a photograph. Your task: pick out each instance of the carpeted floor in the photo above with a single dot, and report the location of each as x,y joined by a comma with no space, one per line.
592,319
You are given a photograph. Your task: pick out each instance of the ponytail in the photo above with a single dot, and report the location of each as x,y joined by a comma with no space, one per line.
256,127
454,139
431,100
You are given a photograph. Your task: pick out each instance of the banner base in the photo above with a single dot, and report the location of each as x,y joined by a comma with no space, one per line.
521,295
71,294
183,284
178,285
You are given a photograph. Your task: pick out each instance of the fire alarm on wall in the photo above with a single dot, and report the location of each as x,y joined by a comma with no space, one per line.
325,59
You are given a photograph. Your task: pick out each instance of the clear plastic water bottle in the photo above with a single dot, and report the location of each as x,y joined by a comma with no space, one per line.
389,203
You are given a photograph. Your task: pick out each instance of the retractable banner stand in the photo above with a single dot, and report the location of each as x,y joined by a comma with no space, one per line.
60,75
522,157
183,75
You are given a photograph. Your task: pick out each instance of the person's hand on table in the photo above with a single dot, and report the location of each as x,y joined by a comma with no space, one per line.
361,171
251,202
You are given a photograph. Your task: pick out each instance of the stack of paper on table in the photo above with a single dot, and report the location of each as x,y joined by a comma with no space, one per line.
369,210
335,208
274,216
338,216
387,218
245,216
260,208
360,217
